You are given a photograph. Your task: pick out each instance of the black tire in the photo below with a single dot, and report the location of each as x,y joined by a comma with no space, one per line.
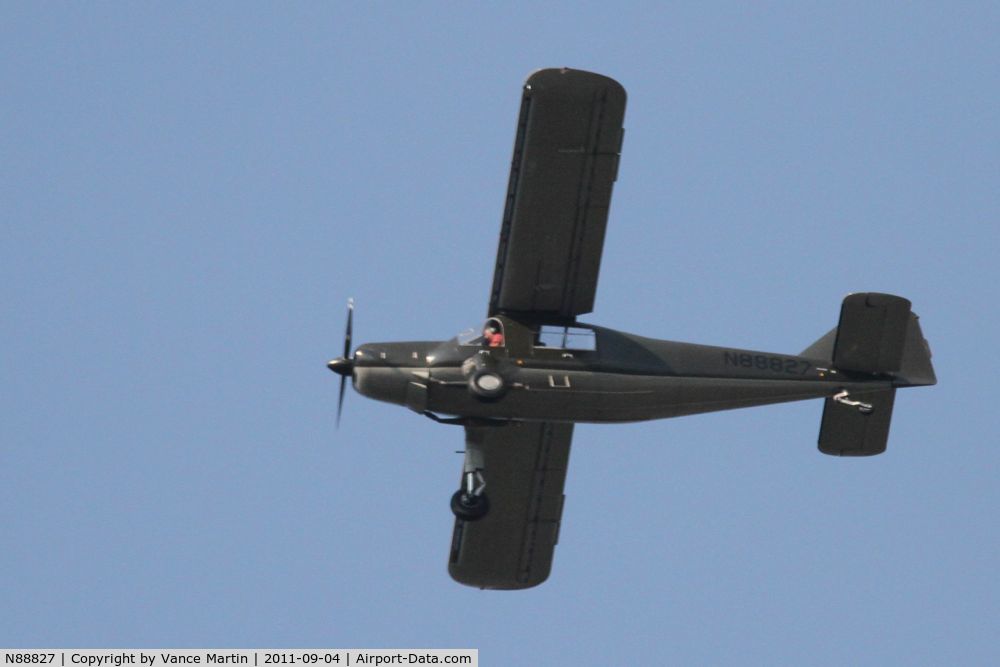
487,384
469,508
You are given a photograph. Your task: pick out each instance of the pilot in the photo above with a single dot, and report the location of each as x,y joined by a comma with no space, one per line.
492,335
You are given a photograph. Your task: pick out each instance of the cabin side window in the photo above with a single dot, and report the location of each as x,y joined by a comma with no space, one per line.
566,338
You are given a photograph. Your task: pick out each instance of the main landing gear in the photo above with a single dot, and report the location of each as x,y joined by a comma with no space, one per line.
470,503
469,508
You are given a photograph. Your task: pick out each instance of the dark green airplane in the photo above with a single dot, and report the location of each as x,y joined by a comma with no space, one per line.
519,384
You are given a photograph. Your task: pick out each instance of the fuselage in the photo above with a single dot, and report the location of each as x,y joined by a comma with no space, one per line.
618,377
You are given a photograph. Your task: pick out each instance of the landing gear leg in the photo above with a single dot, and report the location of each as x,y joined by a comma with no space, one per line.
470,503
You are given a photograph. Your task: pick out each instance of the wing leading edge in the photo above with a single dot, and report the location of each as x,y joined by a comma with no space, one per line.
566,152
513,545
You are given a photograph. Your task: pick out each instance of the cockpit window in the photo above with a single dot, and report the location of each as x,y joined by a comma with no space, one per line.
490,335
566,338
470,337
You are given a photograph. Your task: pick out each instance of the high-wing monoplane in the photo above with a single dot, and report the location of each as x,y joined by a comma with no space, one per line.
520,382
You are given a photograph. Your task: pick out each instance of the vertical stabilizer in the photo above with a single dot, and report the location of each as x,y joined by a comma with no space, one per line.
916,369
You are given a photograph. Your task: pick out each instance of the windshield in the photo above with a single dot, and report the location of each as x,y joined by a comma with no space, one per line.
489,335
470,336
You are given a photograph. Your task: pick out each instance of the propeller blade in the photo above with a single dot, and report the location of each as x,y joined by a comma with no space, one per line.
350,322
345,364
340,400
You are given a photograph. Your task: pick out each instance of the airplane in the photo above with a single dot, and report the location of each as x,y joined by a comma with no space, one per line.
519,384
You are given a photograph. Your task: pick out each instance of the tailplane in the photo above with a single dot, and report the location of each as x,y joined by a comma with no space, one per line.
847,431
877,334
871,333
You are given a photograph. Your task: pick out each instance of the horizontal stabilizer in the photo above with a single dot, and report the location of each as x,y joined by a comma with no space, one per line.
871,333
848,431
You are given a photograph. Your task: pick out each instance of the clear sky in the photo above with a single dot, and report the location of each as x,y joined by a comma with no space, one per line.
190,192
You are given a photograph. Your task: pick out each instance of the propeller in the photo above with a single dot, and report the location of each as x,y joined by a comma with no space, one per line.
344,365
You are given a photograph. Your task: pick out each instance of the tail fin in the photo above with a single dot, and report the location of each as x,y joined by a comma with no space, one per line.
916,370
822,348
877,335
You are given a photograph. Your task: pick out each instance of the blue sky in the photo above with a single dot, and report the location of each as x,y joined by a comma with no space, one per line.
191,192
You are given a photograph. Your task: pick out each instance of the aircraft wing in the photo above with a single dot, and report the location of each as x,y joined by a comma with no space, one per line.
512,546
566,150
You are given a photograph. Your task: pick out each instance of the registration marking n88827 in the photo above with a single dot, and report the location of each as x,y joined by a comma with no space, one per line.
767,362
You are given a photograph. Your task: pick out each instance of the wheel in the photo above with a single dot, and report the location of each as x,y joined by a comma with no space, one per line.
487,384
469,508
